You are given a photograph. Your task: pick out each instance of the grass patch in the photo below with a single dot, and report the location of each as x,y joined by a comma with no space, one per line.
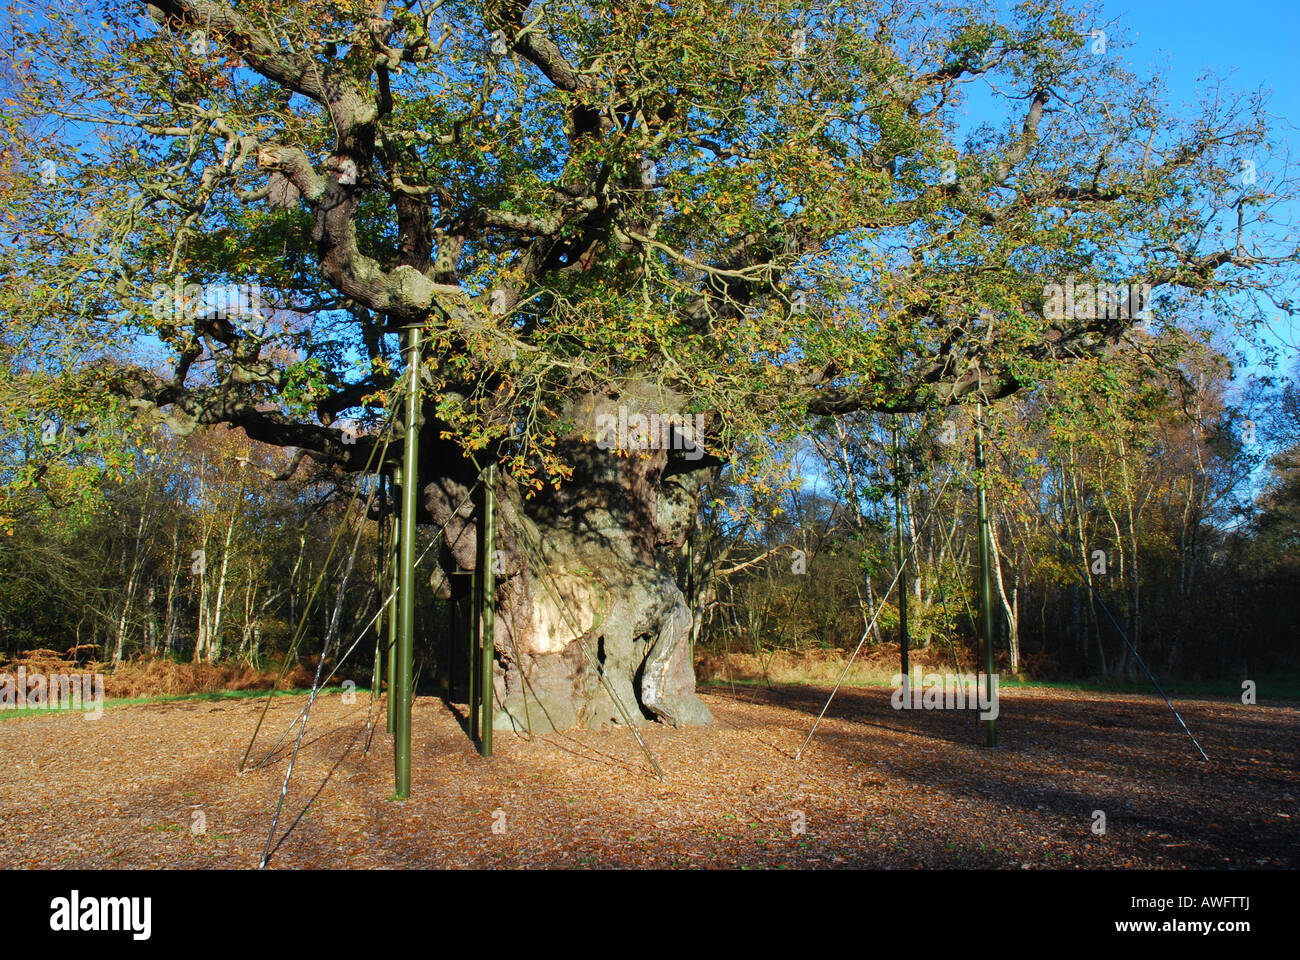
817,669
112,703
1282,686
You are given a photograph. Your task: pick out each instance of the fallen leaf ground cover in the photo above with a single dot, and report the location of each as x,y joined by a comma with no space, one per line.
156,785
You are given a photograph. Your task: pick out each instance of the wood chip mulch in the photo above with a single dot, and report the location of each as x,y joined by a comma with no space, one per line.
877,788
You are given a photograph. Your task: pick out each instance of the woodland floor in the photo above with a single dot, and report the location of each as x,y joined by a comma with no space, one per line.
877,788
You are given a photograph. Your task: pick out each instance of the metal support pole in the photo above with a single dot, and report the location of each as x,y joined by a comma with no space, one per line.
451,650
475,655
902,557
690,580
986,592
392,596
487,604
376,674
406,588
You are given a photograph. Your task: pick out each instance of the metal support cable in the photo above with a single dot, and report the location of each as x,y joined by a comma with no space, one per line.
311,699
1118,629
388,600
300,632
867,632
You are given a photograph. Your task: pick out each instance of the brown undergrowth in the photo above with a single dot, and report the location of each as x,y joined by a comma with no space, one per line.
872,665
160,676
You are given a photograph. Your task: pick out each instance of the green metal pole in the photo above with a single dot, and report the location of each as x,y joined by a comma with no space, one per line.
690,581
377,673
406,587
902,556
487,609
475,671
392,601
986,592
451,651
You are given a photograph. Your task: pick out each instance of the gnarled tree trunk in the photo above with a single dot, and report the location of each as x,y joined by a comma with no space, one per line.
592,626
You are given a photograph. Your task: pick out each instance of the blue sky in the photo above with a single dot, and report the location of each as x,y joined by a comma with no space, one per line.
1256,37
1252,44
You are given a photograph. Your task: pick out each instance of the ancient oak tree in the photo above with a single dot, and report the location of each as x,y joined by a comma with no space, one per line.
638,237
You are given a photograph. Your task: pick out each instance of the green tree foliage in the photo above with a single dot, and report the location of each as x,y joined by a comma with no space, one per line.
763,205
